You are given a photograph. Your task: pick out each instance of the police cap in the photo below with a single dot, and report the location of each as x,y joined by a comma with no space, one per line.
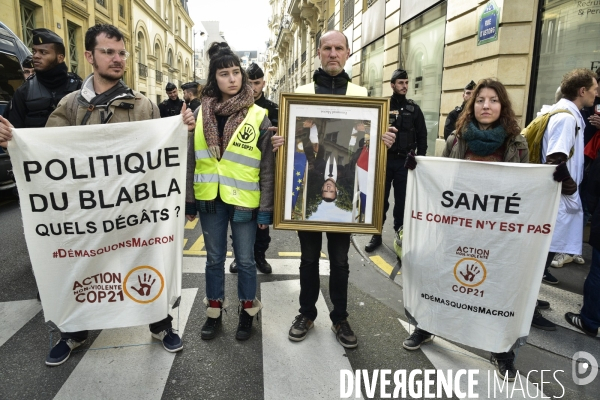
399,74
43,36
189,85
170,86
254,71
470,86
27,63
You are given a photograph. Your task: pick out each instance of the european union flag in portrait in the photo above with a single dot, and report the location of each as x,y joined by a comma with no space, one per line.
298,176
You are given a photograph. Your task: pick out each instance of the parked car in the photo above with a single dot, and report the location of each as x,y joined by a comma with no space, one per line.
12,54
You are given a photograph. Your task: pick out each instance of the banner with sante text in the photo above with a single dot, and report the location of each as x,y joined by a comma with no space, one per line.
103,212
476,238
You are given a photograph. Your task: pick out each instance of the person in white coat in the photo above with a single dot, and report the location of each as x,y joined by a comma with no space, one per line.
563,144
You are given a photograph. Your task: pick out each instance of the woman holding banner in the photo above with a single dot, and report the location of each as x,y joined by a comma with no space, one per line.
487,130
230,181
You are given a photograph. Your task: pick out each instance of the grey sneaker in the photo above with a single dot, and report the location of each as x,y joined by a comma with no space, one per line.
561,259
344,334
300,328
416,339
578,259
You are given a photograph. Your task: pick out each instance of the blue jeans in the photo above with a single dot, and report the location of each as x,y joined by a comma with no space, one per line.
590,312
214,229
338,245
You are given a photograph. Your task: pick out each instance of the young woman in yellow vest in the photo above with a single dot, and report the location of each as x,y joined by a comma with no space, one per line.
230,182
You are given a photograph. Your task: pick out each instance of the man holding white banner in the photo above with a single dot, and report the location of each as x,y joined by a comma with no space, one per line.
91,274
479,226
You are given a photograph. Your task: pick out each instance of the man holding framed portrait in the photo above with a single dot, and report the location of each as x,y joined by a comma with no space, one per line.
330,79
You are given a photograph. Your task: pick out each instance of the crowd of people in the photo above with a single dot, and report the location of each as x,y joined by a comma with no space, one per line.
232,103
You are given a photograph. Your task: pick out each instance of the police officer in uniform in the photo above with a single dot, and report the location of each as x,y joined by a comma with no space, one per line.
261,244
172,105
34,101
257,81
27,65
453,115
406,116
190,95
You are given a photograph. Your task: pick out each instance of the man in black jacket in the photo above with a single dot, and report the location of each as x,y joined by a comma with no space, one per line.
406,116
35,100
453,115
333,53
172,105
190,95
257,81
589,318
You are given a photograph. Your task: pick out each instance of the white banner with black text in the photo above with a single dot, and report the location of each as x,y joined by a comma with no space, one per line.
476,238
103,214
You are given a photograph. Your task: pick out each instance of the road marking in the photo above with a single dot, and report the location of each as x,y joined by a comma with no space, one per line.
447,356
298,370
381,263
196,248
191,224
14,315
295,254
195,265
136,372
184,242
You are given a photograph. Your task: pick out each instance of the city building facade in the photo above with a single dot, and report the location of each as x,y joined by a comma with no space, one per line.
158,34
163,38
527,44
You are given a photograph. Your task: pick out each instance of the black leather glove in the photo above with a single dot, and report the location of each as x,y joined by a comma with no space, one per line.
561,174
411,161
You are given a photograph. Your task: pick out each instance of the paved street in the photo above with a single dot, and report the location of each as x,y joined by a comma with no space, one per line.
128,364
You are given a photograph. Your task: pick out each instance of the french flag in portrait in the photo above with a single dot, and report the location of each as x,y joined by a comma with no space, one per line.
362,168
298,176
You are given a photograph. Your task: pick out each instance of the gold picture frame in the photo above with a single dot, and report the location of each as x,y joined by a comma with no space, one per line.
330,174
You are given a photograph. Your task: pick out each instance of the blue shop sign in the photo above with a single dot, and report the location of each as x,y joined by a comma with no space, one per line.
488,24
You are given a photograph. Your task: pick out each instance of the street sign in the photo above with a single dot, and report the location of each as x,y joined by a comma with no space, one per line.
488,24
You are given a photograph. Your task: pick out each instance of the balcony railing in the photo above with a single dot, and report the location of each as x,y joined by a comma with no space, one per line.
159,76
285,24
296,64
142,70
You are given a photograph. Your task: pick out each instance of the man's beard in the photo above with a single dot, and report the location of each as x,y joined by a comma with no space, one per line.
49,67
106,77
333,71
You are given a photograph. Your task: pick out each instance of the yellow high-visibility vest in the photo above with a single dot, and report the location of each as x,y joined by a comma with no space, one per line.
235,176
352,90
